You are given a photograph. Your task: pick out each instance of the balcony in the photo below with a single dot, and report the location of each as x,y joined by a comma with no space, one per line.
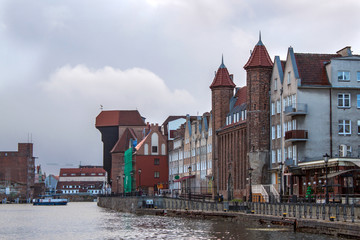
296,109
296,136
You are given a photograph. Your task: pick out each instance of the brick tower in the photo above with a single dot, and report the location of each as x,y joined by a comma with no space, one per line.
222,89
258,69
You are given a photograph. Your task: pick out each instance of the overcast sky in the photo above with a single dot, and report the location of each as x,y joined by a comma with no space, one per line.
61,60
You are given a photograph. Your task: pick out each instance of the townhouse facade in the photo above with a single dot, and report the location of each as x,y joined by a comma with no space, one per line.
314,113
190,163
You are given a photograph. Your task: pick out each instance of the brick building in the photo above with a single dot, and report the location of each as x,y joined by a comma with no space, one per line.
151,162
241,121
17,172
117,128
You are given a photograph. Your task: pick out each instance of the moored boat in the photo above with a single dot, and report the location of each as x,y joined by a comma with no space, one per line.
50,200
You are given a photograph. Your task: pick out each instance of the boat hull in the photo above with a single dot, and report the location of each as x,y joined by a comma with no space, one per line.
49,203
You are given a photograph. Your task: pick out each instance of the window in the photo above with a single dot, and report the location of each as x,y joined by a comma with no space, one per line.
293,124
344,151
163,150
344,100
293,98
272,132
288,78
273,156
358,76
278,106
237,117
156,174
294,154
227,120
242,115
156,161
285,153
278,131
358,101
272,108
154,149
358,128
285,128
343,76
279,155
290,152
344,127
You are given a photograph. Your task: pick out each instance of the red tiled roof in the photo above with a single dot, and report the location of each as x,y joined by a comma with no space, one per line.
222,78
81,170
119,118
241,96
259,57
311,68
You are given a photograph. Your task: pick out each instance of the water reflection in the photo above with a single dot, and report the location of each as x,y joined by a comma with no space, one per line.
87,221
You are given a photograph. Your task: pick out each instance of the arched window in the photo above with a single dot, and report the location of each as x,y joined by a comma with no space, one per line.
154,144
146,149
163,149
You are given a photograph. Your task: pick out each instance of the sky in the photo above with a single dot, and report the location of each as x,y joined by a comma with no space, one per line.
61,60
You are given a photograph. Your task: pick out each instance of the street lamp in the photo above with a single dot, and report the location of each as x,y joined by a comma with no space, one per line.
117,184
326,160
123,184
281,180
250,192
139,172
189,182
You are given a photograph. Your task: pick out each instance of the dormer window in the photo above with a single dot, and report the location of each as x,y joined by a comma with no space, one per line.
344,76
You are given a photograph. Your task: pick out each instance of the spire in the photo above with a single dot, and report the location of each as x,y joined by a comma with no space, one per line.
260,42
259,56
222,77
222,62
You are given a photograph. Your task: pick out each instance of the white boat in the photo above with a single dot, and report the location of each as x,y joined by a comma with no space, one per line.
50,200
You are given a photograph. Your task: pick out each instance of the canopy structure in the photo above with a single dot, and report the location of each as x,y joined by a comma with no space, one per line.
184,178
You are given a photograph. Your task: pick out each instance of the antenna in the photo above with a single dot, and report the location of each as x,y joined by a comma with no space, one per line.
101,107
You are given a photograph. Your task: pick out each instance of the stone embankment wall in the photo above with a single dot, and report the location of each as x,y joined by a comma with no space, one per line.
299,217
129,204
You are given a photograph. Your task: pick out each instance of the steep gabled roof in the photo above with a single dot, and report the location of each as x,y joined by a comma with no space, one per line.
311,68
222,77
241,95
119,118
259,57
279,67
123,143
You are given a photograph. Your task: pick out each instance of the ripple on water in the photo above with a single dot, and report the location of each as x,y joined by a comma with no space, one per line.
87,221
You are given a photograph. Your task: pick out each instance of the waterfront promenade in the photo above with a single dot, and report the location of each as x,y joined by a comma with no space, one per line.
332,219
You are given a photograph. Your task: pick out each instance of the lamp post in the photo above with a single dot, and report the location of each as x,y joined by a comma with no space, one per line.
326,160
189,182
123,184
131,182
117,184
281,179
250,192
139,172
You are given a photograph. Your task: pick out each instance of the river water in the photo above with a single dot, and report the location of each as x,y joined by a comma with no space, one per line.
88,221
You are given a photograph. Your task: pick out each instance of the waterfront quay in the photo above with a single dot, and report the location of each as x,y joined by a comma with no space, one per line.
338,220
